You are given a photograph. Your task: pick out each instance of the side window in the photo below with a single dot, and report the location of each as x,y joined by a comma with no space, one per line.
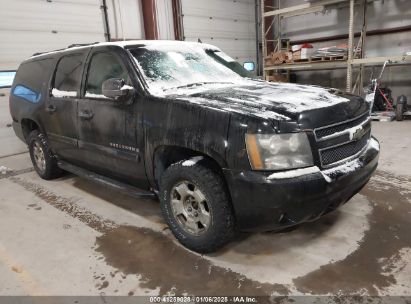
103,66
67,78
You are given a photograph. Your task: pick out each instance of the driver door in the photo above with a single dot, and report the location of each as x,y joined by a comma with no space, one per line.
107,128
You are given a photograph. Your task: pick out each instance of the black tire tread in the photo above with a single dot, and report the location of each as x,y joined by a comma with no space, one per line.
216,184
52,170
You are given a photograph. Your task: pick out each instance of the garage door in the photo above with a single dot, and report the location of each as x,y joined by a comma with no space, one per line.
228,24
28,26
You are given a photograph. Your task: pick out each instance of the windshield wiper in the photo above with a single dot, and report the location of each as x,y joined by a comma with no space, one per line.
197,84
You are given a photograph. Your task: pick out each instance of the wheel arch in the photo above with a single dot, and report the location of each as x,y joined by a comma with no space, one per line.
166,155
28,125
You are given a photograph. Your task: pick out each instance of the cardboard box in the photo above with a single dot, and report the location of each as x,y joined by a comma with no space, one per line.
303,53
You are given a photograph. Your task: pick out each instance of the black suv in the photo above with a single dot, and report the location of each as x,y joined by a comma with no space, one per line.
174,119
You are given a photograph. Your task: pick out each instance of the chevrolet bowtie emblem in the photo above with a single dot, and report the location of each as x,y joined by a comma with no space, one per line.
358,134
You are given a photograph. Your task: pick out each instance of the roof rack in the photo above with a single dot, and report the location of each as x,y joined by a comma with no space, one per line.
69,47
81,44
41,53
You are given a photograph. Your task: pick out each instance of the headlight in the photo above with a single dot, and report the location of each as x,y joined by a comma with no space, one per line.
278,151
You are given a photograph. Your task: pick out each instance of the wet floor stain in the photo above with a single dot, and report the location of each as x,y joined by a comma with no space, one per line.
17,269
33,206
368,268
66,205
163,264
11,173
134,250
102,285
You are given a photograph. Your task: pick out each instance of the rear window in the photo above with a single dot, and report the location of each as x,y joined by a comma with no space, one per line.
67,77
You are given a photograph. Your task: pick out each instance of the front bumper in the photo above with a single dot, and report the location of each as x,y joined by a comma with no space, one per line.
263,203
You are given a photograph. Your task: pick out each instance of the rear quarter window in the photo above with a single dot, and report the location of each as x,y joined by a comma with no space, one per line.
31,79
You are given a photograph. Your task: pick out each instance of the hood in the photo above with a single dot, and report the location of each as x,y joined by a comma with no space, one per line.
310,106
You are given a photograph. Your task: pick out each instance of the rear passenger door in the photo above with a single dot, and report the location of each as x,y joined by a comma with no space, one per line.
107,128
61,106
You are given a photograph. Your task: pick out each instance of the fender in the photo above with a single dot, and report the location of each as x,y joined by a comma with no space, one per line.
169,122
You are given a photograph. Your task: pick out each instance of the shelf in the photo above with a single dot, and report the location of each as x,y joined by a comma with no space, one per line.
271,19
405,59
324,65
306,8
319,65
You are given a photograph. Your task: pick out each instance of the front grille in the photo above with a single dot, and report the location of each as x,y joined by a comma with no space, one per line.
337,153
329,130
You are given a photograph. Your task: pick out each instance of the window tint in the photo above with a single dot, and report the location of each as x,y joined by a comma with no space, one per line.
68,76
26,93
104,66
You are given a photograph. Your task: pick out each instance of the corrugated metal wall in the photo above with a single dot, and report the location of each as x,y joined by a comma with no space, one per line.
227,24
164,10
125,19
28,26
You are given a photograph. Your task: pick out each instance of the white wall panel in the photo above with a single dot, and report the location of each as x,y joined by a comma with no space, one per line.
227,24
381,15
125,19
28,26
165,23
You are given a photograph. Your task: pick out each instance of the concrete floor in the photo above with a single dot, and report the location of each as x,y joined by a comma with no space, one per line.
72,237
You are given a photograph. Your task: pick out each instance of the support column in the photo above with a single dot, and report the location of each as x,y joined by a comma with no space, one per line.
177,20
150,19
363,37
103,7
350,46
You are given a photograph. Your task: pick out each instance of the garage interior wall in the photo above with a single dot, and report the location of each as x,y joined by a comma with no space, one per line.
28,26
230,25
165,23
125,19
380,15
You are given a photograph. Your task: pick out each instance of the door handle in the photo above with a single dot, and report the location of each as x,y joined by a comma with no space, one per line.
86,115
51,109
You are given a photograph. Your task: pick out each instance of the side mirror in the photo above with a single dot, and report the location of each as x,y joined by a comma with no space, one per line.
249,66
116,88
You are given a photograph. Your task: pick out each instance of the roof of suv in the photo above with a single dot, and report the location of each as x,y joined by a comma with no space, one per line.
125,44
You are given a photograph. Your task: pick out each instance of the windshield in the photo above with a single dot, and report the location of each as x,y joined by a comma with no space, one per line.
172,66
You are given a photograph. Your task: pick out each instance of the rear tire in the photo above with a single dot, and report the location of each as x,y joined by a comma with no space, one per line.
196,206
44,162
399,112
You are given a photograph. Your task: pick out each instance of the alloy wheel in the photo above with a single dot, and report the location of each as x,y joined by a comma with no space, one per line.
190,208
39,157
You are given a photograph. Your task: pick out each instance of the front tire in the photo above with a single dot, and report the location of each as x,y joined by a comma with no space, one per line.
196,206
44,162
